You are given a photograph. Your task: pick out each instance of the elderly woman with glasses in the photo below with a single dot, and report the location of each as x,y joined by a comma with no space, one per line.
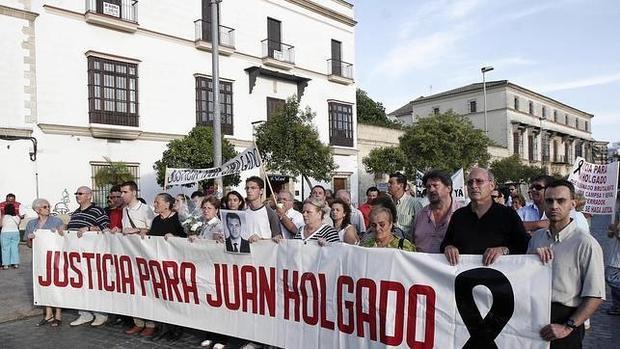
45,221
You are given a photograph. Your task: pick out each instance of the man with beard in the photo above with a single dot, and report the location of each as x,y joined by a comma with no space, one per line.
430,225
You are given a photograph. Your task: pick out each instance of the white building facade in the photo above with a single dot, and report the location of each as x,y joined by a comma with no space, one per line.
121,78
543,131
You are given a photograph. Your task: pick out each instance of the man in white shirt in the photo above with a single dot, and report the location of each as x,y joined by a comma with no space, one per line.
261,220
137,219
290,220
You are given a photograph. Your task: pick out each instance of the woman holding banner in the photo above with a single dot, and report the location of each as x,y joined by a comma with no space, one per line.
53,316
382,221
314,228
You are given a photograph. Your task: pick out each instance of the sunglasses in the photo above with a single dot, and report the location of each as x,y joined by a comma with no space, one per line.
44,206
78,193
537,187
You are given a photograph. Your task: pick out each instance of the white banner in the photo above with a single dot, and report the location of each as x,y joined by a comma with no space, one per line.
296,295
598,183
249,159
459,190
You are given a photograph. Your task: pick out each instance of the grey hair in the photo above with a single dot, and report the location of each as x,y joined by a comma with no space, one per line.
38,202
490,174
290,195
320,204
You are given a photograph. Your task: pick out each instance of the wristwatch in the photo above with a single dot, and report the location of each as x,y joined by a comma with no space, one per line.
571,323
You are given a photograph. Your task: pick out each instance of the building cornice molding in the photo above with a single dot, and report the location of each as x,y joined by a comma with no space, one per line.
85,131
18,13
110,56
548,99
15,132
338,150
324,11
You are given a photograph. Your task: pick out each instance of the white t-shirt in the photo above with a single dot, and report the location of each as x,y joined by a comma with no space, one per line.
10,223
297,218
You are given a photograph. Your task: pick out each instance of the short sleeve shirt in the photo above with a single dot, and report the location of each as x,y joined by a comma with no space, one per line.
92,216
297,218
51,223
427,233
323,232
406,208
578,267
141,216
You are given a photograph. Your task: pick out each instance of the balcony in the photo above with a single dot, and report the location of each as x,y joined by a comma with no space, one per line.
339,71
204,37
115,14
278,55
559,159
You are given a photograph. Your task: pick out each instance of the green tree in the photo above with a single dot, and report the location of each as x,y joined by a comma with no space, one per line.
371,112
385,160
289,144
194,151
446,141
511,170
113,173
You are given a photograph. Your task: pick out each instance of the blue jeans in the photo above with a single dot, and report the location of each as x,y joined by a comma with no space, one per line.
10,247
612,276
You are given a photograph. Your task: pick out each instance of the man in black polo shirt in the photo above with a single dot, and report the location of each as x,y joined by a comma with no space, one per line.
88,217
484,226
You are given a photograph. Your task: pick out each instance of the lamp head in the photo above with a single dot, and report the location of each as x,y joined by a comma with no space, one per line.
486,69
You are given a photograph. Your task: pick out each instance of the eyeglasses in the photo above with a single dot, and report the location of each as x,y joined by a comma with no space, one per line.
537,187
45,207
78,193
478,181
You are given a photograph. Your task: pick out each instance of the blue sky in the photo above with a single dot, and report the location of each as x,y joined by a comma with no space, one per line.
568,50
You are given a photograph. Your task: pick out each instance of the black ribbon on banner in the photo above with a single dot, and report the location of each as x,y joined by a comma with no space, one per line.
484,331
578,169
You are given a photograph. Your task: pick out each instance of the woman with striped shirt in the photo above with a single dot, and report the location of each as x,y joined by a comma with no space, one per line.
314,229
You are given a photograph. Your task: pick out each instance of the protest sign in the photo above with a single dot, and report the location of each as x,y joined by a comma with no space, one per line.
248,159
597,183
296,295
459,190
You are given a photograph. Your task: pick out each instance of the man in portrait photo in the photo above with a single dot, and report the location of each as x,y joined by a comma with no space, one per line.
234,241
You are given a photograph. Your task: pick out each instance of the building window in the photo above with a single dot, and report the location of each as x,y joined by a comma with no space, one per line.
100,192
517,144
516,102
435,110
555,116
112,92
472,106
544,112
204,104
531,107
576,123
565,119
274,105
340,124
530,147
586,126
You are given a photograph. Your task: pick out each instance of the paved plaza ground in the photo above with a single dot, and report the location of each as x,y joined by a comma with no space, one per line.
18,317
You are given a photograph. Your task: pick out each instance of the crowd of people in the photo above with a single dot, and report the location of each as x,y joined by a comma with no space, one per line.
496,222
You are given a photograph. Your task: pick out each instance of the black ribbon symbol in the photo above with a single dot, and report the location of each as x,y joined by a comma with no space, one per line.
484,331
578,169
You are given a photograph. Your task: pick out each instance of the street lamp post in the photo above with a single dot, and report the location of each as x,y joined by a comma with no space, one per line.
484,70
217,119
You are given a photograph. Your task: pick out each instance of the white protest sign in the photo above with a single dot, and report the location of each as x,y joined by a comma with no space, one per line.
459,190
248,159
598,183
296,295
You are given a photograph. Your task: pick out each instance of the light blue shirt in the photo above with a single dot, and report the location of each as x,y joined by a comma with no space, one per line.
51,223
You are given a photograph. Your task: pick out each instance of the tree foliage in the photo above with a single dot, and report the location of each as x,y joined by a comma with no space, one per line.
446,141
385,160
289,144
112,174
511,170
194,151
371,112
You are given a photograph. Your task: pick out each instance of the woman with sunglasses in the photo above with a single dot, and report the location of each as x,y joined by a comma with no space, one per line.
44,220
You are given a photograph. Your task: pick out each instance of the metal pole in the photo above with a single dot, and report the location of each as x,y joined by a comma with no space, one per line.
217,119
484,89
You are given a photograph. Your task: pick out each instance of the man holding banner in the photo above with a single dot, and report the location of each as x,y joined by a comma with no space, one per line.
578,286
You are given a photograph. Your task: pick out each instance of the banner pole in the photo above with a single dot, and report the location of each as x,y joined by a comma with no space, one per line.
263,172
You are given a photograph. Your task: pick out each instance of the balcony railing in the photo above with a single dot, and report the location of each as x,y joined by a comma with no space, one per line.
125,10
340,68
203,33
279,51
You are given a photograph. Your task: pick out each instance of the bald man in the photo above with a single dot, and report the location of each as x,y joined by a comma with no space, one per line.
88,217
